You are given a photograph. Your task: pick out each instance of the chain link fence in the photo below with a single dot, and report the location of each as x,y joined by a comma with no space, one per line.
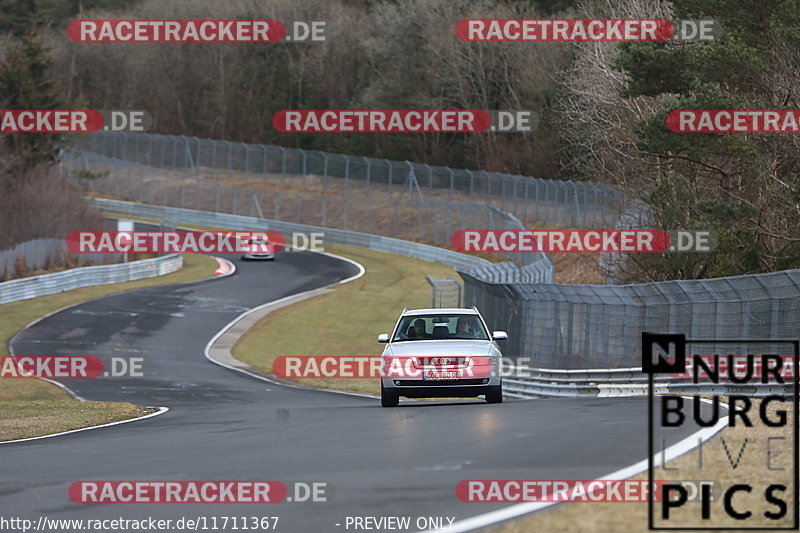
562,203
600,326
445,292
398,215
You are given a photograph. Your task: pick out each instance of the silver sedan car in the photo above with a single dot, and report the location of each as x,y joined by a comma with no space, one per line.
435,353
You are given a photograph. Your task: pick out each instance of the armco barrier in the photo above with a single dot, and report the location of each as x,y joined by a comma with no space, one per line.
620,382
35,286
177,215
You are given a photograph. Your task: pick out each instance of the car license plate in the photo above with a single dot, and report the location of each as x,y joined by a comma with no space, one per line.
441,375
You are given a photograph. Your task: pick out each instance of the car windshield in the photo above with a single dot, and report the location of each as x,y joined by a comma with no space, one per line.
446,326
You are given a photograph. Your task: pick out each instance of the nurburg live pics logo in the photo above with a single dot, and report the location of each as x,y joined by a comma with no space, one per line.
745,504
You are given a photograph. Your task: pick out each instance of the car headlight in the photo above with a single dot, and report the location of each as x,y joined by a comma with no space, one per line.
491,359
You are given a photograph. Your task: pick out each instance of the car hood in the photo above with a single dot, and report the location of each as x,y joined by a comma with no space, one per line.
439,347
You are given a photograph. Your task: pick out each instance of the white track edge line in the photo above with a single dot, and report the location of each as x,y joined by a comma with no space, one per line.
519,509
229,325
160,411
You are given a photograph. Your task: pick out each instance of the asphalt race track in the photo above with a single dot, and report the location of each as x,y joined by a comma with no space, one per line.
224,425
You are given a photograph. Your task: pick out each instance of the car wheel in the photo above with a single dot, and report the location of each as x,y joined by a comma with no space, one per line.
389,398
495,394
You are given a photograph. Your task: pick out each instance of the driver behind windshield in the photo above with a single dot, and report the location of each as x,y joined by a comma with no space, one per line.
419,329
464,328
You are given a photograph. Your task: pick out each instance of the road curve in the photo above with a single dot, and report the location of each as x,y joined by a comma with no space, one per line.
224,425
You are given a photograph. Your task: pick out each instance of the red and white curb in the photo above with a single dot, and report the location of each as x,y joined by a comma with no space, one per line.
226,268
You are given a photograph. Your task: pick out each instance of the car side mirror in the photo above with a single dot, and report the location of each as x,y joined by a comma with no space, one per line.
499,335
383,337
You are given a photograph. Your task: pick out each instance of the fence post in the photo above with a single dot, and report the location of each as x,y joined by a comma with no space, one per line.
420,227
256,204
452,182
503,180
198,190
346,187
366,160
513,193
166,192
283,165
324,171
305,163
449,232
124,152
246,158
174,140
389,181
430,180
230,156
264,162
574,204
471,185
526,200
197,158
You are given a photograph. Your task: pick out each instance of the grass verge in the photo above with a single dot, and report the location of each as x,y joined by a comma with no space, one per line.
345,321
32,407
744,447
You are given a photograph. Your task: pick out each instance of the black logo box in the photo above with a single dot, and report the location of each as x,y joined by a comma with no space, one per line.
678,365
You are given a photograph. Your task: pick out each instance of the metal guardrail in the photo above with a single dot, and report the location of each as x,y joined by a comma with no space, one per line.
620,382
35,286
42,254
177,215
